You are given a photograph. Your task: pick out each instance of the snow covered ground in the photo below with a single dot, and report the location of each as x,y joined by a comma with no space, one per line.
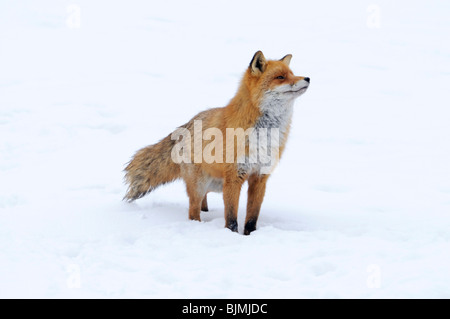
359,206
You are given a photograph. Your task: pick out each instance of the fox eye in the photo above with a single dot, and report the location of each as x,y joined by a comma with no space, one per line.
280,77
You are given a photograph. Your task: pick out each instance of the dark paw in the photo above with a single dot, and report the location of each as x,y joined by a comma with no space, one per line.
249,227
232,225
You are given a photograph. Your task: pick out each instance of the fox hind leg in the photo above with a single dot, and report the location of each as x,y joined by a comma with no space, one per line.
204,207
195,201
196,187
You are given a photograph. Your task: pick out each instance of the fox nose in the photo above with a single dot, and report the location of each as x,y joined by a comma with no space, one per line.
306,79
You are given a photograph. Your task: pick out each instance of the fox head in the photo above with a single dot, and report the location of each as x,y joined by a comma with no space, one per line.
273,80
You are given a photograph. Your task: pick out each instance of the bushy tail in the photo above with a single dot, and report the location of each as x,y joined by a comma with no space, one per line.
149,168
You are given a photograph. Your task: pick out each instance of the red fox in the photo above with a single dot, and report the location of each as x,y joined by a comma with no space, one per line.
264,100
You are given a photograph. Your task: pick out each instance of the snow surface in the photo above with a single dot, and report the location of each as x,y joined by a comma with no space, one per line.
359,206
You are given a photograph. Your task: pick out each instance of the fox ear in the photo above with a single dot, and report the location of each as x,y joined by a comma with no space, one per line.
286,59
258,63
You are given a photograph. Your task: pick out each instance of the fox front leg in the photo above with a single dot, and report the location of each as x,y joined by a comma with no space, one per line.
231,192
256,192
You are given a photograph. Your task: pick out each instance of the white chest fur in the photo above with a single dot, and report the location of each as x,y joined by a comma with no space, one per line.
276,114
270,131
